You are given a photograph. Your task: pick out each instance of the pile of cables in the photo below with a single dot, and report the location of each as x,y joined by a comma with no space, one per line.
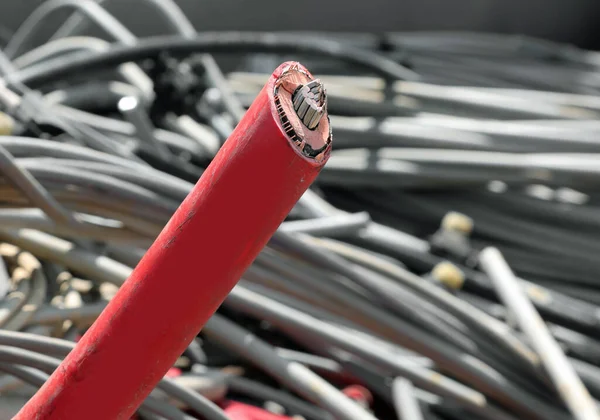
375,288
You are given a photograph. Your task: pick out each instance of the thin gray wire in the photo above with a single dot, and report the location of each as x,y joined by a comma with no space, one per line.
32,189
94,11
289,318
178,23
27,146
32,302
4,279
25,374
60,348
405,401
293,375
32,218
63,252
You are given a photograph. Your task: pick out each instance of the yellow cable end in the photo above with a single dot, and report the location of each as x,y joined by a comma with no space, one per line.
7,124
449,275
457,222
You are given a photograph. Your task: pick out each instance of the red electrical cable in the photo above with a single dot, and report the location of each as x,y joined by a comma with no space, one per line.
360,394
239,411
264,167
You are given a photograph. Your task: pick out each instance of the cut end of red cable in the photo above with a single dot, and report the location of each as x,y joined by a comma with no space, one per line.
301,105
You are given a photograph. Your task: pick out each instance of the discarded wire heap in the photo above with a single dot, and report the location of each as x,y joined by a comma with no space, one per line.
443,265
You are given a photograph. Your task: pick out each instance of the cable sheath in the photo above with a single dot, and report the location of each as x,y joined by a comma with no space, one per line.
219,229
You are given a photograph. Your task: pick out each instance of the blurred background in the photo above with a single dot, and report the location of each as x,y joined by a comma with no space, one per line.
573,22
466,140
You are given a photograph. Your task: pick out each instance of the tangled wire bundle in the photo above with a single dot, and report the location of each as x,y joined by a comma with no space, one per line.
375,287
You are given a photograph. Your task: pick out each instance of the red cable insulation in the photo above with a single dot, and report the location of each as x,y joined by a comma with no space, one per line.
219,229
239,411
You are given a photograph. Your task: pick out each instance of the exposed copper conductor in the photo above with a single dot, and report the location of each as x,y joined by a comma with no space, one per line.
302,107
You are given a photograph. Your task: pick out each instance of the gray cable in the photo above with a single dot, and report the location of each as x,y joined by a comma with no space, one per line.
278,314
4,279
31,218
28,358
83,315
194,400
164,410
94,11
151,179
405,401
293,375
130,108
562,373
96,95
61,348
66,253
26,146
11,304
124,190
28,375
32,189
130,72
201,143
499,332
334,226
263,392
178,23
35,298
